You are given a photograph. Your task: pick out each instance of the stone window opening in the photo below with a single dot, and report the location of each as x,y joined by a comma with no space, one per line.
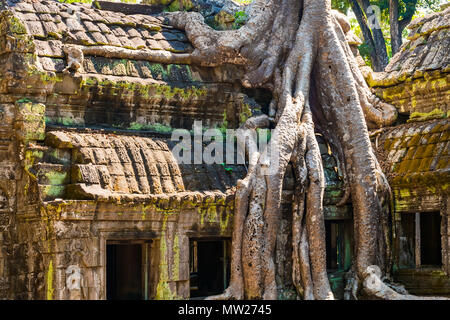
420,244
127,270
209,261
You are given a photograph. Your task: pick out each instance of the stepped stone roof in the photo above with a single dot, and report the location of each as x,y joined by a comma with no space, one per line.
427,49
418,77
418,153
85,165
127,75
416,159
53,24
106,165
84,25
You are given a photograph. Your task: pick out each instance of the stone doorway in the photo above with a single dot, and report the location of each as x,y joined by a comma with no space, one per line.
127,271
209,267
430,239
420,240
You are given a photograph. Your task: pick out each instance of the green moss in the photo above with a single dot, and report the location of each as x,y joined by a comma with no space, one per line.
224,125
56,178
404,193
163,291
54,191
185,5
32,122
45,77
245,113
144,92
165,90
157,127
50,288
16,26
176,259
225,220
24,100
65,121
240,18
31,157
88,82
157,70
435,114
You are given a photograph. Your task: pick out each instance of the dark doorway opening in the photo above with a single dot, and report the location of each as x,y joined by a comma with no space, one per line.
338,235
125,271
209,267
407,241
430,239
420,240
333,243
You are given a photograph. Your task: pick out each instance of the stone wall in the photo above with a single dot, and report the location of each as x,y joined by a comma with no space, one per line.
416,160
113,88
78,231
53,237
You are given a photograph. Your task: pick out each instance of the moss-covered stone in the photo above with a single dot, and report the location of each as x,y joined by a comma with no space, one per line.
420,116
30,121
186,5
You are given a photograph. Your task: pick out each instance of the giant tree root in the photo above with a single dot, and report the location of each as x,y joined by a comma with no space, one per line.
298,50
375,288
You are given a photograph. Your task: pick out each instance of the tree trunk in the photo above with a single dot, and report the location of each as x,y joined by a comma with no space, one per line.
406,20
396,35
279,47
373,37
378,38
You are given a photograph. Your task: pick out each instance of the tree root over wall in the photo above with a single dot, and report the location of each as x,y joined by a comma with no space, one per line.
298,50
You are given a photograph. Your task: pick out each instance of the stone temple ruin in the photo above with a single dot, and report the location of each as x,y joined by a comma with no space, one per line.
93,204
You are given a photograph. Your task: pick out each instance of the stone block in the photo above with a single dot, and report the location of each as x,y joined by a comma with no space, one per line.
52,174
85,174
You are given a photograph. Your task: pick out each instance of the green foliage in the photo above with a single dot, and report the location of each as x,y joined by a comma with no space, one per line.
24,100
426,6
229,170
341,5
240,18
406,8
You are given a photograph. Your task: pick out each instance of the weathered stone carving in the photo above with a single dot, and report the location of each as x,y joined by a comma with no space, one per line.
3,201
75,58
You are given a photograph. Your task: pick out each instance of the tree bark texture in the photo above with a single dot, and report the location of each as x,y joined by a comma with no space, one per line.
396,35
298,50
